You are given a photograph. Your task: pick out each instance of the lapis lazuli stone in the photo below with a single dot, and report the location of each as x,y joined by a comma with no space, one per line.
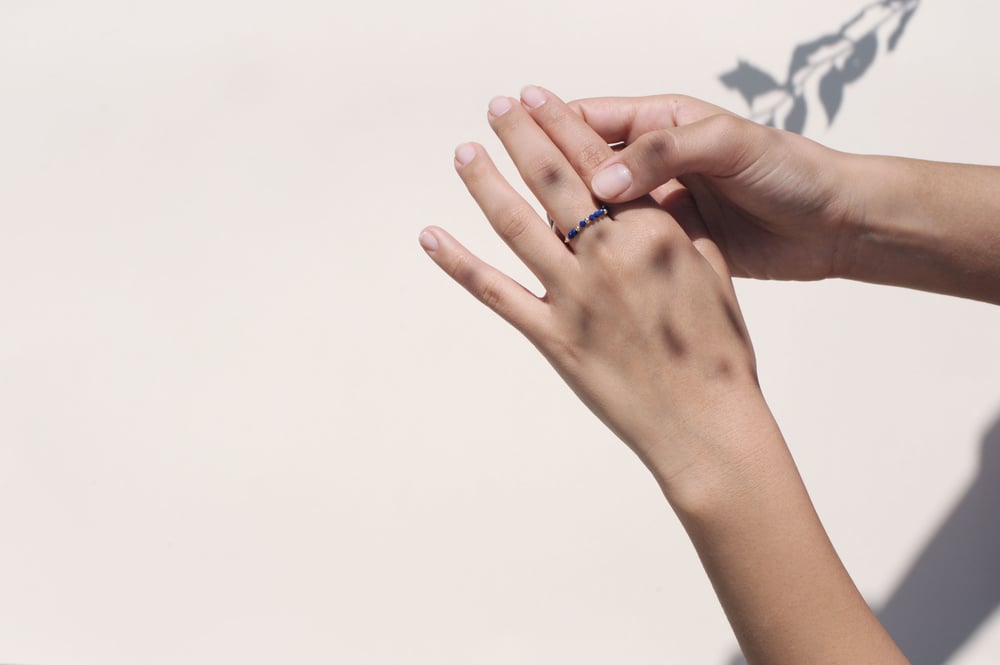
583,223
572,234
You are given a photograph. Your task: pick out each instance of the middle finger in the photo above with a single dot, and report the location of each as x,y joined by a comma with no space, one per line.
544,168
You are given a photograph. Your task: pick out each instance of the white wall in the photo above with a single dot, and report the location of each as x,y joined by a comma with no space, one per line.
244,419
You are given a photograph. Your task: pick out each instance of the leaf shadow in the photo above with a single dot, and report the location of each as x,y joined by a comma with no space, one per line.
836,59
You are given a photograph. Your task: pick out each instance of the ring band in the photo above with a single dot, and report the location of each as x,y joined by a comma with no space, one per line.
585,222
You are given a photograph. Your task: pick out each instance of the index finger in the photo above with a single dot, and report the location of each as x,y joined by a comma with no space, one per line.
619,119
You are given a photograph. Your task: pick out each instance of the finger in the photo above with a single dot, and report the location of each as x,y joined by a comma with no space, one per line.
619,119
514,303
718,146
583,147
512,217
541,164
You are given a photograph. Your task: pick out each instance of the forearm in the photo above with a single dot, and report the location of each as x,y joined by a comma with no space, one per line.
787,596
925,225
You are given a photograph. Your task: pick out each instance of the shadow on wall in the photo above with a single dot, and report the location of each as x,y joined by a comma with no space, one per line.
822,67
953,585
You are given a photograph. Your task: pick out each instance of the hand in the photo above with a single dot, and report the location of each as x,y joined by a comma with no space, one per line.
639,315
640,319
778,205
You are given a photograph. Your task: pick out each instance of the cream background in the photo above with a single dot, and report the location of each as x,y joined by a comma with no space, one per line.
243,419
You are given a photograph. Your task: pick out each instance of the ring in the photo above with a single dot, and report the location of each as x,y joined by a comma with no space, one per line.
585,222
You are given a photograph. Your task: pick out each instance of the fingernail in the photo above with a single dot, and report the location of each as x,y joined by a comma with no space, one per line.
428,241
532,96
499,106
612,181
464,154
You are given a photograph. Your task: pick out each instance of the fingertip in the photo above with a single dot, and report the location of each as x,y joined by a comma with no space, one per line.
499,106
464,153
428,240
532,96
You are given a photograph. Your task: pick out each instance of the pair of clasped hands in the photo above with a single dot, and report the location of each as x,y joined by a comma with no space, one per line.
639,314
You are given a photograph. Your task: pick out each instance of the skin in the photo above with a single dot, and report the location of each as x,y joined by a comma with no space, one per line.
640,318
780,206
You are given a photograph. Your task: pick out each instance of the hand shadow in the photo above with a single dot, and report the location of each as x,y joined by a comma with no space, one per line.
953,586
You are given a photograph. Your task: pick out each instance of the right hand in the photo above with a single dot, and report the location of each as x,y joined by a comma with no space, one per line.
778,205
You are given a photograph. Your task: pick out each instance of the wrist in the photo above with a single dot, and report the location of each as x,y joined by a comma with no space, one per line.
862,193
879,224
705,458
923,225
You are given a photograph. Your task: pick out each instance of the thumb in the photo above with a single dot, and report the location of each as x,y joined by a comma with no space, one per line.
721,145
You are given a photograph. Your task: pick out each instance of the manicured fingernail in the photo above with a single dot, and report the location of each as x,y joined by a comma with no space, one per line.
612,181
499,106
464,154
532,96
428,241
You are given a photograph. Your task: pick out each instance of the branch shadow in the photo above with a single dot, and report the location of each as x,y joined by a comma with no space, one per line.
953,585
836,60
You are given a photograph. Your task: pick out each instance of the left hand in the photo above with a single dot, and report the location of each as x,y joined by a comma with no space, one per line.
639,315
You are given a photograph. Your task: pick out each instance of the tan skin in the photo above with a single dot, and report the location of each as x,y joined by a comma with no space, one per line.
780,206
641,320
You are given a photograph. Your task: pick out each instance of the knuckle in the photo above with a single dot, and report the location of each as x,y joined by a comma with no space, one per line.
727,125
545,172
660,147
491,293
591,155
738,135
553,117
685,110
665,239
681,107
608,258
514,222
460,267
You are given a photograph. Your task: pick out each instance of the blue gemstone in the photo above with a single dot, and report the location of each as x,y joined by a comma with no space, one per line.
572,234
583,223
